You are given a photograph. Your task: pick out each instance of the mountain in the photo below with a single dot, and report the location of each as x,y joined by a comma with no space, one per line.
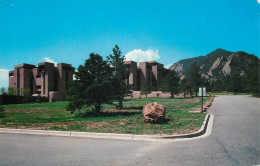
217,64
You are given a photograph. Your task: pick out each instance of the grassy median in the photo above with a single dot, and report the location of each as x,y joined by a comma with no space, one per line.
53,116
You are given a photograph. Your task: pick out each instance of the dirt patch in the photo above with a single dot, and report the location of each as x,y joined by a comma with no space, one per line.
84,124
26,110
178,104
196,109
117,111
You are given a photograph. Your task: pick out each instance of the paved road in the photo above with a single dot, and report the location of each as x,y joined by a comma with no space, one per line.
234,141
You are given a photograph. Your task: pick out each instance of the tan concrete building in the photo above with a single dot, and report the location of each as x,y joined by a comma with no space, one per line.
151,73
45,80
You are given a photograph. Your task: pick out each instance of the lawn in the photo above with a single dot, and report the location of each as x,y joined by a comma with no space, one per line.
53,116
229,93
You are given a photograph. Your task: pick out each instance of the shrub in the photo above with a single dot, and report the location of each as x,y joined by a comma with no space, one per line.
13,91
38,99
2,109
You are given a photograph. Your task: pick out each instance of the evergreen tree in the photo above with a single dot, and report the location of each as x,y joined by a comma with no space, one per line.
236,82
3,91
226,83
194,77
170,83
92,84
251,79
120,86
184,86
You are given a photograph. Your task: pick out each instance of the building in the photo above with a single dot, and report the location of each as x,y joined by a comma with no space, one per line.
45,80
150,73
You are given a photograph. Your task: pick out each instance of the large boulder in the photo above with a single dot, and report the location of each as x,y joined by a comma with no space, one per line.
154,113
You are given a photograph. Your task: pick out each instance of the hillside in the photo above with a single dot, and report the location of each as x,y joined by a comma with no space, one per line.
217,64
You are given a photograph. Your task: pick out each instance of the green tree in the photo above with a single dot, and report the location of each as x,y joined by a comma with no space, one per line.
13,91
225,83
3,91
184,86
217,85
25,91
120,87
170,83
92,84
194,77
236,82
145,89
251,79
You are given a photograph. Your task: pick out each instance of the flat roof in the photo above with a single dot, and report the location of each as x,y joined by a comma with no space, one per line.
24,65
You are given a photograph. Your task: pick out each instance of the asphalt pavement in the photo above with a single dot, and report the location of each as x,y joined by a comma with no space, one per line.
234,141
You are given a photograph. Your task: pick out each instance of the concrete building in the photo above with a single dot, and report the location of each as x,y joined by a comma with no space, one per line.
151,73
45,80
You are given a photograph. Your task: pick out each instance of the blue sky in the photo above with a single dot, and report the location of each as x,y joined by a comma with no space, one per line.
33,31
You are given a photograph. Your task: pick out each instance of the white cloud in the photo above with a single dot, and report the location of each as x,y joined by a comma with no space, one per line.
258,1
167,66
4,78
47,59
139,55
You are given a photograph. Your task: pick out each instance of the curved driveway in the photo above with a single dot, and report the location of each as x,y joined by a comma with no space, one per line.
234,141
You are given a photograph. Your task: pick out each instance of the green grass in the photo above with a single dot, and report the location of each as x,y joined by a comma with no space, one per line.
229,93
53,116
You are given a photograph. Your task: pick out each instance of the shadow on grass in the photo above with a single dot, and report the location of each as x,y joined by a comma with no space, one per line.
166,120
134,108
160,122
106,114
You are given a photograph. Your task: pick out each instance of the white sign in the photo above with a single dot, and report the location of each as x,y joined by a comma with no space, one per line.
202,91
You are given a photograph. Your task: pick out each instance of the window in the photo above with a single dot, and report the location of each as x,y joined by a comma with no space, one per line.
38,86
11,74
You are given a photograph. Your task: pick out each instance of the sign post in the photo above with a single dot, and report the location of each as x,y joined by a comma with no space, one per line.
202,93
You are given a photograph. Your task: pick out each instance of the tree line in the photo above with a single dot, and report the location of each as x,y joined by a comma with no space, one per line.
237,82
101,81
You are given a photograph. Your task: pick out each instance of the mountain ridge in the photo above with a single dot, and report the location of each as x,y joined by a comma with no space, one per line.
217,63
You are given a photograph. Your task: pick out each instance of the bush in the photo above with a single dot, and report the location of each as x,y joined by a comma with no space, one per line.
13,91
2,109
12,99
26,99
38,99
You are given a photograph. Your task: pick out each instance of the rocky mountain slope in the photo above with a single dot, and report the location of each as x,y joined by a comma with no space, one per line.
217,64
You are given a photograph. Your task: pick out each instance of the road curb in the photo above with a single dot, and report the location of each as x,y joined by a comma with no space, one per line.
110,135
201,131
